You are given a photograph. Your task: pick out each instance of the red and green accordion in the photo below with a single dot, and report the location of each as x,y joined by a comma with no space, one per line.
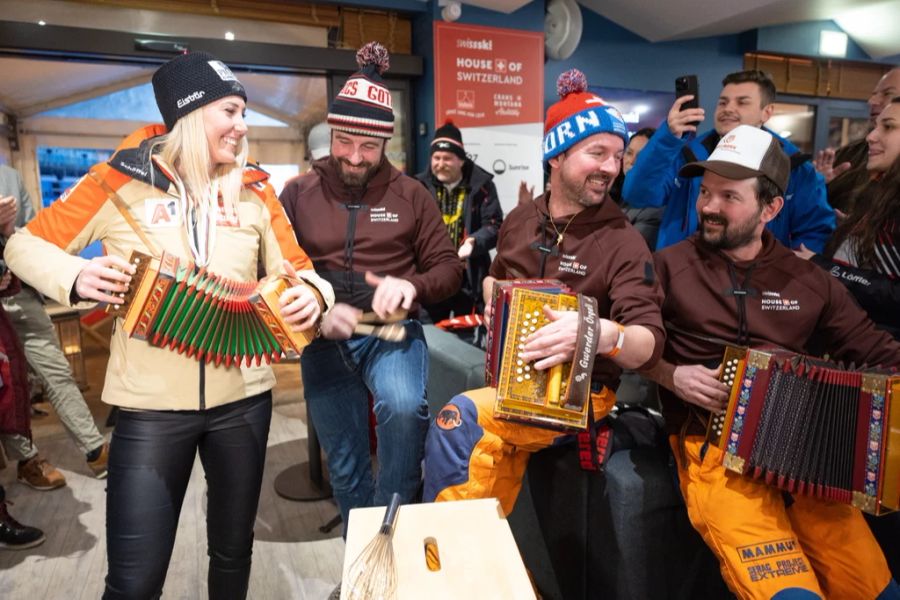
173,304
811,427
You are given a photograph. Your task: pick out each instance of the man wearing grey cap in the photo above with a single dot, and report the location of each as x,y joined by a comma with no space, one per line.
733,282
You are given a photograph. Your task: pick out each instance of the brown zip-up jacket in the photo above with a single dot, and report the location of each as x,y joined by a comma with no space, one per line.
395,229
787,302
601,255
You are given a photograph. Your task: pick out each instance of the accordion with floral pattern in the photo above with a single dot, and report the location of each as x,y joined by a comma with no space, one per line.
812,427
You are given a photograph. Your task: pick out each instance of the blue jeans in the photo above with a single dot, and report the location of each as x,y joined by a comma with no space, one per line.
338,377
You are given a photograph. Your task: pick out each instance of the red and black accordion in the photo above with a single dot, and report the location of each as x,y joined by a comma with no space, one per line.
558,397
811,427
172,303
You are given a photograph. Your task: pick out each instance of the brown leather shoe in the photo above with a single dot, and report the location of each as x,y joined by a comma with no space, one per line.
98,466
41,475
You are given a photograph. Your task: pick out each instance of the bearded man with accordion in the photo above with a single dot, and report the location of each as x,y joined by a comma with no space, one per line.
787,524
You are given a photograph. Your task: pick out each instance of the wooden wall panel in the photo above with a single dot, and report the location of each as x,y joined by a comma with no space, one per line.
818,77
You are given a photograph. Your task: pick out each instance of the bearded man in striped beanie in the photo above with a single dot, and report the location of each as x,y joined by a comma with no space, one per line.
378,238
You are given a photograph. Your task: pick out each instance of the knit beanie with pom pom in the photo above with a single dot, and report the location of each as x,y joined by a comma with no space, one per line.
578,115
363,106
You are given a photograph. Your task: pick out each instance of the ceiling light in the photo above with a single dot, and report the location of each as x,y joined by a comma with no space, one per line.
229,35
42,23
833,43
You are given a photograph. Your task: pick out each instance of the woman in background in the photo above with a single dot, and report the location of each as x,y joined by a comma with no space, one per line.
864,254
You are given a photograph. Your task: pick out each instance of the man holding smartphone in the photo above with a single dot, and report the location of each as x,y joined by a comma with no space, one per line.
747,98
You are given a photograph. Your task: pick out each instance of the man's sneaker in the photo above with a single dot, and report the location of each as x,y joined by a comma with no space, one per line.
14,535
98,465
39,474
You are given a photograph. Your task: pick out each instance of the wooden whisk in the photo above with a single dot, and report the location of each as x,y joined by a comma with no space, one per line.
373,575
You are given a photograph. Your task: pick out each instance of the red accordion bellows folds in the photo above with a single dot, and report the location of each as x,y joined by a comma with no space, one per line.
210,318
812,427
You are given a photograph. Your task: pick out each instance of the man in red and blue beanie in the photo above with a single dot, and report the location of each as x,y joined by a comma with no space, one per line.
574,233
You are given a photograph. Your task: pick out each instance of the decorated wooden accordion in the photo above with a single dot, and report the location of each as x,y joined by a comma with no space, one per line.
172,303
558,397
812,427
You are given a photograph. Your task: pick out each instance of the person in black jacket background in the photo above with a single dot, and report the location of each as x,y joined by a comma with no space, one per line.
468,201
865,250
864,255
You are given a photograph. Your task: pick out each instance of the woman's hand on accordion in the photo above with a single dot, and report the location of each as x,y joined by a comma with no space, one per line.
103,278
300,307
701,386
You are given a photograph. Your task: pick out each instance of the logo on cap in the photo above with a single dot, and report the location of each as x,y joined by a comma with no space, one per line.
224,72
190,98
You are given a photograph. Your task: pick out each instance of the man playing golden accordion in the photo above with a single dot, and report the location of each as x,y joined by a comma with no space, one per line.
576,234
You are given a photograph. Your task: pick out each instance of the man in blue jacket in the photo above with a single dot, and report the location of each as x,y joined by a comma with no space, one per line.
747,98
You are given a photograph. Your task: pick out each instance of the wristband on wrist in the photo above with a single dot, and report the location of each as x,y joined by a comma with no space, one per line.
620,341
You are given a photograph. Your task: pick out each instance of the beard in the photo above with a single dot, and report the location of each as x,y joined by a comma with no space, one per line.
730,235
589,192
354,177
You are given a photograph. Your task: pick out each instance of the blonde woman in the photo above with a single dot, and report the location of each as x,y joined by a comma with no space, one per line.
188,190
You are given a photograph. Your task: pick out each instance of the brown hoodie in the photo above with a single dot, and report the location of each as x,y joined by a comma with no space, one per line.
787,301
396,230
601,255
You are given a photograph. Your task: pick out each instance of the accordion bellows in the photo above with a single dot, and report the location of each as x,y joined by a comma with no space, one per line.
811,427
213,319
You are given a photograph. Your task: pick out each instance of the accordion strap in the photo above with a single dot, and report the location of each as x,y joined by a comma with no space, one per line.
578,391
126,214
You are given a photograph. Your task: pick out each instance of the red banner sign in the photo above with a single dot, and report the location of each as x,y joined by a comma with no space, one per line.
486,76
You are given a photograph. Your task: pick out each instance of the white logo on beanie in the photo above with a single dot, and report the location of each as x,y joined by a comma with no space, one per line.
224,72
363,90
182,102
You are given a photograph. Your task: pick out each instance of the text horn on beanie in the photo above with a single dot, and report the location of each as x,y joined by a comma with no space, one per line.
578,115
448,138
364,106
190,81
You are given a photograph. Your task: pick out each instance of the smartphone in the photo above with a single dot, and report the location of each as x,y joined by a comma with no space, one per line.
687,85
